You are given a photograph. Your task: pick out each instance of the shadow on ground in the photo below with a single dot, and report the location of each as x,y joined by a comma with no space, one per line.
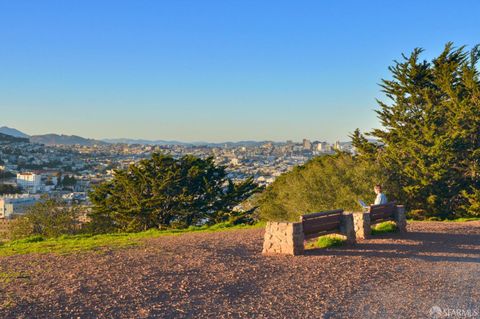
428,246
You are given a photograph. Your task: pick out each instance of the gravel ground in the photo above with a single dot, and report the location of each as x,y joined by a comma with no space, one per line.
223,275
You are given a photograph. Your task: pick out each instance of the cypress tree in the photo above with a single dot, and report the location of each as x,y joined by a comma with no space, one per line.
430,139
165,192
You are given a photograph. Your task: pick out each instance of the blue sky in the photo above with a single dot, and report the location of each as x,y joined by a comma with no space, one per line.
211,70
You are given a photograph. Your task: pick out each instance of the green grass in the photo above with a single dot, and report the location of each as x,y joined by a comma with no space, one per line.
383,228
76,243
326,242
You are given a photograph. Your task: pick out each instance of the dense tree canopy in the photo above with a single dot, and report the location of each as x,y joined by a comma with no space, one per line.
430,137
68,181
323,183
9,189
6,174
167,192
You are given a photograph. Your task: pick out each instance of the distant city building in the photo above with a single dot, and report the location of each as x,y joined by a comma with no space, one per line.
12,205
307,145
268,145
324,147
29,182
337,146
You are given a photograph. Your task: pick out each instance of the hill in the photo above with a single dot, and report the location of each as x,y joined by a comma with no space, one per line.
6,138
56,139
13,132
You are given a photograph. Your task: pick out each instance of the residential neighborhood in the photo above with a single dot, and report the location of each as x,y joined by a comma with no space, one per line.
69,171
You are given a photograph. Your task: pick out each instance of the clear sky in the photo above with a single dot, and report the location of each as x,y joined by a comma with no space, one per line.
211,70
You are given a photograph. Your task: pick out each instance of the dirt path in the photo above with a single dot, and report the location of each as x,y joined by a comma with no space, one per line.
223,275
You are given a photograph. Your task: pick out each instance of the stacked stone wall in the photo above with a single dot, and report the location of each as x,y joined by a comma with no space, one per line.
283,238
400,218
361,221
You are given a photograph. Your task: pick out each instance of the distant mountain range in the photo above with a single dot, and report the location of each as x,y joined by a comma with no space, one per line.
56,139
162,142
13,132
61,139
141,141
11,138
48,139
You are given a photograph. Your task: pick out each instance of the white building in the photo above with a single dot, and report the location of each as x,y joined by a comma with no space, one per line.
29,182
11,205
324,147
337,146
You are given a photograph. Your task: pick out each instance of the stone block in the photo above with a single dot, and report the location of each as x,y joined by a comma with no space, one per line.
347,227
362,225
400,218
283,238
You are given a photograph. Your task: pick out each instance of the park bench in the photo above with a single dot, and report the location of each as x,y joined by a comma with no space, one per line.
324,223
382,213
375,214
288,238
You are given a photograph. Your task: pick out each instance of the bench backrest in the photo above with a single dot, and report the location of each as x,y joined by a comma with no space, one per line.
379,213
318,224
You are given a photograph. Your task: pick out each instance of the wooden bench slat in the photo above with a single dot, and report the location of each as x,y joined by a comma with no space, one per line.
308,229
321,223
382,212
325,218
320,214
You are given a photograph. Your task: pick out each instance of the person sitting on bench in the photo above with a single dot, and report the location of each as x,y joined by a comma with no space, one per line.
381,198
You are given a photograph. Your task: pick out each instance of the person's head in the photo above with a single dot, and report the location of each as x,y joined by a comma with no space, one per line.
377,189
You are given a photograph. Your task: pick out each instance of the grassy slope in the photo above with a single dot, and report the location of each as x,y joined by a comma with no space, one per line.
75,243
72,244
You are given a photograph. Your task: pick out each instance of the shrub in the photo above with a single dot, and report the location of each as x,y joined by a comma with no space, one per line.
19,228
323,183
48,218
9,189
417,214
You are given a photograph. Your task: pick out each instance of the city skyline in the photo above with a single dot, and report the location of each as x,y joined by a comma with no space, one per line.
11,131
216,72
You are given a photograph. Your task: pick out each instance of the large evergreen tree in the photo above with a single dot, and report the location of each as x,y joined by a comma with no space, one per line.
430,142
167,192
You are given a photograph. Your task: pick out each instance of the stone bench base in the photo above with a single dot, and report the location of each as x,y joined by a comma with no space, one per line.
283,238
288,238
362,222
